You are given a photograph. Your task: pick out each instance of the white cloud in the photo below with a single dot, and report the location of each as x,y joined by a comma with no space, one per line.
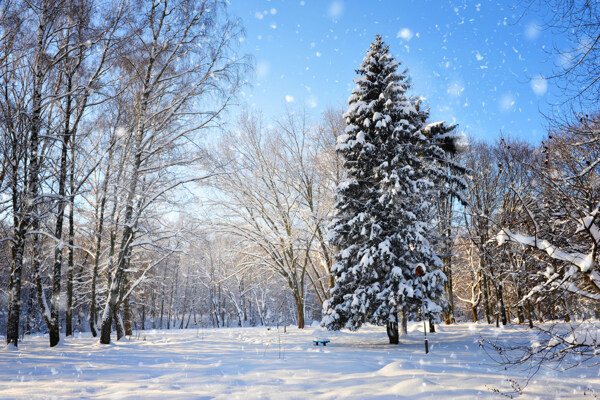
336,9
405,34
539,85
289,98
478,56
318,54
312,102
273,11
258,15
273,25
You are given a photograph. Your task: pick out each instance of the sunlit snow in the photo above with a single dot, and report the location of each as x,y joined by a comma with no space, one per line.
261,363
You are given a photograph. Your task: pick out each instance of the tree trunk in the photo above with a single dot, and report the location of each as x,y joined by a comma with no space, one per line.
124,250
127,317
143,317
71,251
46,310
129,217
118,323
486,299
404,322
62,185
126,305
431,326
392,332
27,203
474,312
14,302
29,318
501,307
530,314
114,218
567,311
113,294
162,310
300,312
520,309
173,289
99,230
188,320
449,314
58,232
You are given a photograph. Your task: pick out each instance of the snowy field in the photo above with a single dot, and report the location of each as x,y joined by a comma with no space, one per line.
256,363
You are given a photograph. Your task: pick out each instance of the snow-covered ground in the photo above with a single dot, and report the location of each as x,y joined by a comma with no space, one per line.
252,363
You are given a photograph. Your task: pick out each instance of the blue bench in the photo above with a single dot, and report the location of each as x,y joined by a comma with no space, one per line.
322,341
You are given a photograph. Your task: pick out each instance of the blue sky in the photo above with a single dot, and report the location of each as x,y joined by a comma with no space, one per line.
478,63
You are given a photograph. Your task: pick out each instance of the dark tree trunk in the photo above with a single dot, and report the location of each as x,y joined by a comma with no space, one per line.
183,319
153,308
127,317
71,255
143,317
449,314
392,332
431,326
14,302
29,318
501,307
300,312
520,309
486,299
126,306
71,251
474,312
162,310
530,314
189,318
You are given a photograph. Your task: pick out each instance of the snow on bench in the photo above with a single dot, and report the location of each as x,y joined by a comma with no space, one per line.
322,341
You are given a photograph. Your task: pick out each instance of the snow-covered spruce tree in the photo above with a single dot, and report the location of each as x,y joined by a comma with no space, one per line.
382,207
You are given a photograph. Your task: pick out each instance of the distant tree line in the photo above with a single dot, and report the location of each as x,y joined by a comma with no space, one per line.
115,215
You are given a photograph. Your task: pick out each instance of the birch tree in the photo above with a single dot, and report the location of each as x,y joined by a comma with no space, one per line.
181,74
27,61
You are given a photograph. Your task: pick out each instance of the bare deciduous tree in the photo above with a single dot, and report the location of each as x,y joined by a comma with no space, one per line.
181,74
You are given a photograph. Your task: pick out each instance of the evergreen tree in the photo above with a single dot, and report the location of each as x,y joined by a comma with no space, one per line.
383,205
